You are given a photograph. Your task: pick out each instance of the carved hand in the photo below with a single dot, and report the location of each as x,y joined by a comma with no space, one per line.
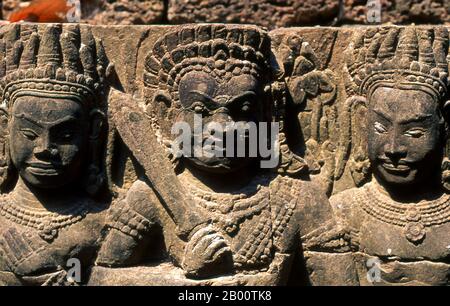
206,253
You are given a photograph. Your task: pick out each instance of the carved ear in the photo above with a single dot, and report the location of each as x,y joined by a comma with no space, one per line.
97,119
4,148
162,97
4,120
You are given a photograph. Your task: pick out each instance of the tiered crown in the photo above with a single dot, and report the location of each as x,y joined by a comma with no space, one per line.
219,50
399,57
52,60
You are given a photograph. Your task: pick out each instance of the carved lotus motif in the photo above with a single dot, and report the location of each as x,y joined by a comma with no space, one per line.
415,232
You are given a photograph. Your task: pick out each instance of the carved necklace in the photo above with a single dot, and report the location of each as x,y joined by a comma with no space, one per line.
229,210
45,222
413,217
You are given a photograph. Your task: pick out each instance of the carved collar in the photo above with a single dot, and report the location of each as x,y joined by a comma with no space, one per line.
413,217
47,223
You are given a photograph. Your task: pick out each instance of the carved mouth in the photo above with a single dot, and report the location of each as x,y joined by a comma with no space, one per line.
41,168
399,168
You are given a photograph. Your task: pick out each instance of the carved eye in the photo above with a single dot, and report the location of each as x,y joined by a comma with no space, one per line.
379,128
65,136
29,134
415,133
246,106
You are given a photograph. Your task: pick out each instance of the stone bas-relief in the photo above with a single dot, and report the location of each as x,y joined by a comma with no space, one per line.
251,222
53,120
374,138
401,218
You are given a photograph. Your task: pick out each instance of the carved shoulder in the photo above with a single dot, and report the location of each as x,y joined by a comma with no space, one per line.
345,206
310,206
136,213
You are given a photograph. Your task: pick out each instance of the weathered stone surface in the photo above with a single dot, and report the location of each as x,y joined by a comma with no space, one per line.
125,12
359,196
399,11
109,12
270,14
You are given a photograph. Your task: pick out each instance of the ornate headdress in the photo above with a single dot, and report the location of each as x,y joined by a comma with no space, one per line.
399,57
219,50
52,60
396,57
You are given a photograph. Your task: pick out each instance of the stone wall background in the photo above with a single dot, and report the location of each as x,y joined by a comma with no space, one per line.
268,13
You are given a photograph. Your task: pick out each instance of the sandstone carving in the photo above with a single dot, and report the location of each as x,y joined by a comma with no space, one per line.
398,223
224,154
224,220
311,95
53,132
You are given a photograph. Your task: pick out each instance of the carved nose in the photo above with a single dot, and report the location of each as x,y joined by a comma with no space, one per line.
45,149
395,151
223,118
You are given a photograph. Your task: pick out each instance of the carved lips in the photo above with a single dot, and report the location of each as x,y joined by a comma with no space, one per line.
395,169
43,168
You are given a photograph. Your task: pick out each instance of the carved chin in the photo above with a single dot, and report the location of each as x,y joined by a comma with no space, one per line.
218,164
45,178
396,176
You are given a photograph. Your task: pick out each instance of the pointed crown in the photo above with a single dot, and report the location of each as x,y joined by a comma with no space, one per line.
52,60
399,57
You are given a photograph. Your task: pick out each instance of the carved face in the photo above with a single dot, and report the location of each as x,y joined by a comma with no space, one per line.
237,100
48,140
405,136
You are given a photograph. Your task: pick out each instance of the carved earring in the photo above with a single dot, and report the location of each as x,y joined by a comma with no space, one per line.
445,166
95,175
289,163
5,160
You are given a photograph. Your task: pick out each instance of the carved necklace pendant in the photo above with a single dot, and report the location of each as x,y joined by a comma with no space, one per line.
414,229
414,218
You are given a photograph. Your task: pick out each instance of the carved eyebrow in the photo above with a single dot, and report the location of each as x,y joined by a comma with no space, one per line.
203,95
418,118
379,113
243,95
51,123
24,117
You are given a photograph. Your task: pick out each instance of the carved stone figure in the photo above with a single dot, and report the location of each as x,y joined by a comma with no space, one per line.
399,222
53,120
223,219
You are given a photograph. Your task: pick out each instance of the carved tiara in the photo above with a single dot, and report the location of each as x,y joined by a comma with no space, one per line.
399,57
52,60
219,50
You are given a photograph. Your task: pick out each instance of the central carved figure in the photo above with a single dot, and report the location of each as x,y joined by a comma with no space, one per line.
249,221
